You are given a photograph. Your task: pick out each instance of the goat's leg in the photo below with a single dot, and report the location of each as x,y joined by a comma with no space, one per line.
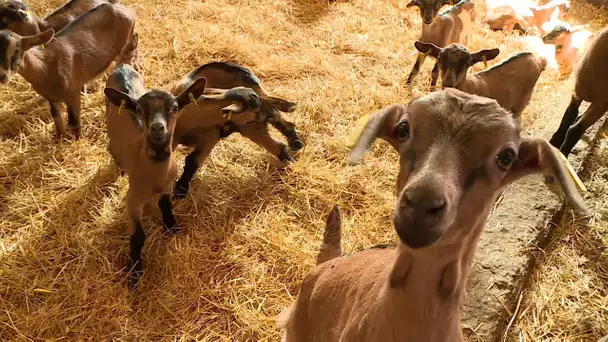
288,129
74,115
56,115
567,120
435,74
575,132
166,210
205,144
259,135
138,237
415,69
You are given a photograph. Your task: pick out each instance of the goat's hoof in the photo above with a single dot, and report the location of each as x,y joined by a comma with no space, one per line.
170,225
284,155
135,273
296,145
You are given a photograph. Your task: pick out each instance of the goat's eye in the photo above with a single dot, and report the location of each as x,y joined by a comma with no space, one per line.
403,130
175,107
505,159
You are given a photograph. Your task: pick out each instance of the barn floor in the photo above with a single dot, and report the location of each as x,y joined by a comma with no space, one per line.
252,225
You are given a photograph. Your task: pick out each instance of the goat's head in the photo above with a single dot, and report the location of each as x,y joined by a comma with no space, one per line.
13,48
158,109
454,60
429,9
15,16
457,153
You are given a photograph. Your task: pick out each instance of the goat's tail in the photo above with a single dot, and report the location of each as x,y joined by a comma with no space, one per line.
332,237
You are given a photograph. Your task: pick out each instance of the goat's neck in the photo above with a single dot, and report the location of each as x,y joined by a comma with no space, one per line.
157,153
434,278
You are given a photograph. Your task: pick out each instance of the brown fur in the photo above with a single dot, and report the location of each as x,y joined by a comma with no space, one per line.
591,86
76,55
29,24
414,292
451,26
510,82
142,150
203,135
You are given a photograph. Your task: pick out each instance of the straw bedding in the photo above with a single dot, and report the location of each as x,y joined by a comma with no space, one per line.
252,225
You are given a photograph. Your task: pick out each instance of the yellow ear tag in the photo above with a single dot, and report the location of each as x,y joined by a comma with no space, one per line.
485,61
573,175
122,106
42,46
228,115
192,99
351,139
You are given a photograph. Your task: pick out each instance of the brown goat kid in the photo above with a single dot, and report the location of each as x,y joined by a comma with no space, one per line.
451,26
591,86
510,82
445,193
77,54
508,15
140,126
195,132
16,16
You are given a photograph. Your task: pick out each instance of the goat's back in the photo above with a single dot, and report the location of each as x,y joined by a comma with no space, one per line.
334,294
65,14
591,69
512,81
451,26
221,75
89,44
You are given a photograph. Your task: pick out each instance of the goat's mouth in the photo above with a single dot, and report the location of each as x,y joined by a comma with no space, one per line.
157,139
427,21
417,235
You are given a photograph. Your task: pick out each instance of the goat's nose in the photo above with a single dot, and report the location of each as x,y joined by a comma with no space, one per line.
157,127
424,201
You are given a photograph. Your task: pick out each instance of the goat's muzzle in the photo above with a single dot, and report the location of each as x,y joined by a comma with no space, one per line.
158,132
419,218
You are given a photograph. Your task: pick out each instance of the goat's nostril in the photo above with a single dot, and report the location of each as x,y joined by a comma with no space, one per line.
423,202
157,127
435,206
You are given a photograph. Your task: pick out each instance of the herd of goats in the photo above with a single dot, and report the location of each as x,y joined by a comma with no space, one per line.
445,192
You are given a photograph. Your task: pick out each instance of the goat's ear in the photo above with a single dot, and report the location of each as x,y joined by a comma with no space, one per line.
413,3
23,14
196,89
484,55
538,156
427,48
29,42
281,104
116,97
232,109
6,20
379,125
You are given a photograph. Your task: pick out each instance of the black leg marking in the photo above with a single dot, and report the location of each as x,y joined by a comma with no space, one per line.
567,120
415,69
435,74
294,141
137,243
284,154
166,209
572,137
183,184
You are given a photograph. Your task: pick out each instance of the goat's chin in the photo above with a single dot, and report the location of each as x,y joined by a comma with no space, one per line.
417,235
